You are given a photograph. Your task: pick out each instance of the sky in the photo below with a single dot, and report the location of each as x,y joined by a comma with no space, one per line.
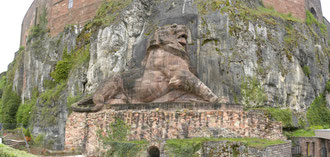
12,13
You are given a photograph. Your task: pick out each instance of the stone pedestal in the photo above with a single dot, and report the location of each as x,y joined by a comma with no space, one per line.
158,122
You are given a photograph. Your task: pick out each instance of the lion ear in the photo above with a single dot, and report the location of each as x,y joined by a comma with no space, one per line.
155,40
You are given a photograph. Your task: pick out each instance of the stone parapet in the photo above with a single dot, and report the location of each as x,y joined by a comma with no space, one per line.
155,122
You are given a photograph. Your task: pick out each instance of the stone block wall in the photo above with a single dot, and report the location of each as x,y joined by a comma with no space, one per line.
81,12
154,122
311,146
59,15
31,18
226,148
295,7
280,150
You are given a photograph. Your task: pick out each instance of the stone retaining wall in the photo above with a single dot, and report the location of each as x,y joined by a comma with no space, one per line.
154,122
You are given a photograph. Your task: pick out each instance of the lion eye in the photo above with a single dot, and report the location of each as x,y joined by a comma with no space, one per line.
183,36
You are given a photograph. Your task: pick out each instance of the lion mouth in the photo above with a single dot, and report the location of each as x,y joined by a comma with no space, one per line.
182,39
182,44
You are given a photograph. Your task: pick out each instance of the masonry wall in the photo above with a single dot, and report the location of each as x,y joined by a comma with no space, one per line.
59,15
311,146
171,121
225,148
295,7
31,18
81,12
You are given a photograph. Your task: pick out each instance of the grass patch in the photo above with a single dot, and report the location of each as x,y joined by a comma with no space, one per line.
300,133
309,132
6,151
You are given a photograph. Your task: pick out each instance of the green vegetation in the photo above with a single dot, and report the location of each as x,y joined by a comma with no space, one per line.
117,131
68,62
125,148
10,98
39,140
309,132
71,100
116,137
62,68
49,110
52,94
327,87
311,20
24,110
306,70
3,81
189,147
11,102
41,28
27,132
281,115
108,13
318,114
240,10
252,92
6,151
300,133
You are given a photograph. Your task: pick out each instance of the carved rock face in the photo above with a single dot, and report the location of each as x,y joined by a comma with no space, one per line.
165,76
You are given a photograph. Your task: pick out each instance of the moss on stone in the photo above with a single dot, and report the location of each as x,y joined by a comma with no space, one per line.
281,115
115,138
252,92
311,20
306,70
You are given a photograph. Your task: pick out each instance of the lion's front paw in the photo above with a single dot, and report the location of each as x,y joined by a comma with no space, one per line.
214,99
175,83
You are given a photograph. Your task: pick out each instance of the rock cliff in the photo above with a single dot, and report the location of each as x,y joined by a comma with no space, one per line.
244,52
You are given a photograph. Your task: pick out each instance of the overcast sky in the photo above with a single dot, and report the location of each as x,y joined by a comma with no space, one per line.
12,13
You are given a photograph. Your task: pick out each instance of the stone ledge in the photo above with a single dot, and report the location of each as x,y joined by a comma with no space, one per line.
176,106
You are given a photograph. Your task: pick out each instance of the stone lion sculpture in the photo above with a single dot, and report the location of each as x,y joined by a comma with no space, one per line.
165,76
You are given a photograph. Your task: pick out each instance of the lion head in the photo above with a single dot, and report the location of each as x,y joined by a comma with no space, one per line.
172,38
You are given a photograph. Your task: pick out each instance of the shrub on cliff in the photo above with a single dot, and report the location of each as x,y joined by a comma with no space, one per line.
318,113
62,68
11,102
